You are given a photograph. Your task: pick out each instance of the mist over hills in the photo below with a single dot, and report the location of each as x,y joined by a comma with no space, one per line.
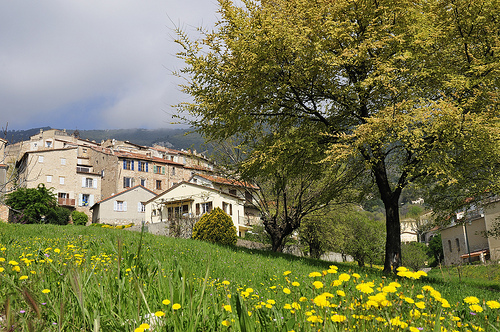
172,138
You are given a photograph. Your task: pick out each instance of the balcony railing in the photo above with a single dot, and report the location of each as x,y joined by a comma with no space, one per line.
66,201
83,169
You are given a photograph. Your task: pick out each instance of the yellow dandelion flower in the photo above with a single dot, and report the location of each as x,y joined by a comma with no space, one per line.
287,306
271,301
166,302
46,291
286,290
13,263
144,326
2,269
249,290
344,277
471,300
226,323
2,259
23,277
159,314
340,293
176,306
338,318
296,306
303,299
336,283
139,329
493,304
287,273
225,282
409,300
16,268
314,274
295,284
318,284
355,275
476,308
227,307
420,305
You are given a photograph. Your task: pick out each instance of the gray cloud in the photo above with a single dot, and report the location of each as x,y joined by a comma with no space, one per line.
93,63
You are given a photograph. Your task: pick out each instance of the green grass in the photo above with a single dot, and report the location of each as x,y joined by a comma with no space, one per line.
115,280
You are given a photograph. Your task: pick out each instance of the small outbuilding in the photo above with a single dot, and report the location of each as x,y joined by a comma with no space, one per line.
126,207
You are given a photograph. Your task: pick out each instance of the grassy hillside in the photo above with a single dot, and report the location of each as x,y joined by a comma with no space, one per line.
72,278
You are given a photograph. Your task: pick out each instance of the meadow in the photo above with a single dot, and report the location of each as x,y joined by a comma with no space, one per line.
75,278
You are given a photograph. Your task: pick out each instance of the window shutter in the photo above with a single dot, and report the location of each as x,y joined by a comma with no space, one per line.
91,200
138,206
80,199
209,207
138,165
115,205
94,183
147,166
197,209
124,206
163,170
230,209
124,163
83,182
132,164
154,169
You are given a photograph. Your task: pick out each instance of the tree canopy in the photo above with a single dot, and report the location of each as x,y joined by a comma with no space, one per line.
404,90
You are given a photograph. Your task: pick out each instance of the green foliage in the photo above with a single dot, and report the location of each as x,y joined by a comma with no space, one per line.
405,90
32,205
414,255
258,234
364,237
58,216
215,227
436,250
79,218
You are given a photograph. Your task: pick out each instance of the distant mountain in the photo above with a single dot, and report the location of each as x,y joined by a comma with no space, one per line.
173,138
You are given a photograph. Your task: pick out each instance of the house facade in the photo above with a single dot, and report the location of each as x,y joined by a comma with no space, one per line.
4,210
464,240
123,208
191,200
66,171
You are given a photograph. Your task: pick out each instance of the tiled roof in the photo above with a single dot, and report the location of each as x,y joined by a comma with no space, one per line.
221,180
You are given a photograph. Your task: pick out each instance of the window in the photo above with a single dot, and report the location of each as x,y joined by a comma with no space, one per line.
449,245
202,208
128,182
232,192
120,206
49,178
63,161
86,200
142,166
128,164
158,184
48,144
143,182
89,183
40,159
227,208
158,169
141,207
61,180
457,242
173,170
62,195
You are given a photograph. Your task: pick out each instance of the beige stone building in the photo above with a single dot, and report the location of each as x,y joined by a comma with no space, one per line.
123,208
4,210
191,200
464,239
67,171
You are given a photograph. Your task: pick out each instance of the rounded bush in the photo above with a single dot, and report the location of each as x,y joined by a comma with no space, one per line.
215,227
79,218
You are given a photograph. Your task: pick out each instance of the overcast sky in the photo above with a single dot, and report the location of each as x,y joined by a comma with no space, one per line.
93,64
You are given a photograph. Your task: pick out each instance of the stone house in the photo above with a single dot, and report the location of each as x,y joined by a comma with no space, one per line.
464,239
67,171
191,200
244,191
123,208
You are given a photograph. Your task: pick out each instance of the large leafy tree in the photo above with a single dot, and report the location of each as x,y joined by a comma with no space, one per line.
406,90
32,205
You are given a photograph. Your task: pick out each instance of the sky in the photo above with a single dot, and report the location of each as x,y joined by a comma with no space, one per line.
94,64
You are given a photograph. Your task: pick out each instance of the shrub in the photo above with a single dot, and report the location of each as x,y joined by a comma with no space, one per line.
414,255
79,218
57,216
216,227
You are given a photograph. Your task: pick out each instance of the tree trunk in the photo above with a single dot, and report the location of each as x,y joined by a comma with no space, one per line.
393,238
392,224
